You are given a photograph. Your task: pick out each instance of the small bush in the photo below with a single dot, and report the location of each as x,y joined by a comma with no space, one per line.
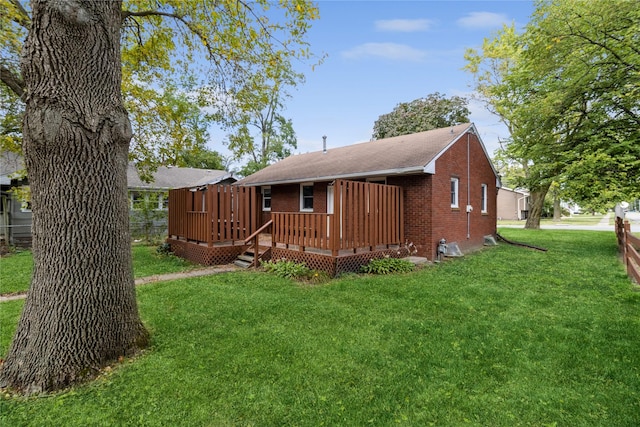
287,269
164,249
387,266
297,271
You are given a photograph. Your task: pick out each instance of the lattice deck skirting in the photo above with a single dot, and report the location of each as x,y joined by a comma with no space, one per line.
220,255
336,265
206,255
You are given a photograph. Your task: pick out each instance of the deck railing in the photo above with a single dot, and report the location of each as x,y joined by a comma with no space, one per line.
365,216
215,213
302,229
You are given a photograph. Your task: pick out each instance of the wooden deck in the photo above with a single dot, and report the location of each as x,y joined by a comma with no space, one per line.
214,223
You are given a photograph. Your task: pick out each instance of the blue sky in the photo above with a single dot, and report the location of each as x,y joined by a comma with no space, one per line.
381,53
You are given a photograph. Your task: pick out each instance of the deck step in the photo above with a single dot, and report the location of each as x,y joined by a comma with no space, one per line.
246,257
242,263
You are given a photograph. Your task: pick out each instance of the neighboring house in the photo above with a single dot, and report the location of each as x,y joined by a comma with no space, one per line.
513,204
168,177
149,201
390,196
15,215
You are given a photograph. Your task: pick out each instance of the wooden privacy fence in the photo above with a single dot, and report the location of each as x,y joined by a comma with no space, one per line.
365,215
215,213
628,245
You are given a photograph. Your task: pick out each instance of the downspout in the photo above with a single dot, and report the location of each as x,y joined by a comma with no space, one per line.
468,189
518,214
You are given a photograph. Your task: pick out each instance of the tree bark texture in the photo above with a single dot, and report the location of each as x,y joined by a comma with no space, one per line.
536,204
80,313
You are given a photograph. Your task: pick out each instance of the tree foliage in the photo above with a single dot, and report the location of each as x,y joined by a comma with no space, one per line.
213,61
260,133
568,90
431,112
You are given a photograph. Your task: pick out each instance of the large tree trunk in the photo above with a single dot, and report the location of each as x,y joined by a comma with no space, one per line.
80,312
536,204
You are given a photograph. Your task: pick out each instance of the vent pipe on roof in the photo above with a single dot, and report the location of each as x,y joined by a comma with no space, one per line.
324,144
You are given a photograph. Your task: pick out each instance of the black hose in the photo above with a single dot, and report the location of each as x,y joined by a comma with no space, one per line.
524,245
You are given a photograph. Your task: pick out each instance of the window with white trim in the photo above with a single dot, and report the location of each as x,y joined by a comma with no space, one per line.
483,198
306,197
266,198
454,192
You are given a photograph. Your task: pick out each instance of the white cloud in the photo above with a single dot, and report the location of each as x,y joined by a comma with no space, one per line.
403,25
394,51
481,20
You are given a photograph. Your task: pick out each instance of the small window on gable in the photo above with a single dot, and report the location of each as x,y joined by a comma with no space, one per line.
483,198
306,197
266,198
454,192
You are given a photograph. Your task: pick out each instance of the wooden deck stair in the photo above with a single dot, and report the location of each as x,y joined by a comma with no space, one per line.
247,258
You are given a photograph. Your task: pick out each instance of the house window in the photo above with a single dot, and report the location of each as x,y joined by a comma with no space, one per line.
135,200
163,201
266,198
454,192
483,198
306,197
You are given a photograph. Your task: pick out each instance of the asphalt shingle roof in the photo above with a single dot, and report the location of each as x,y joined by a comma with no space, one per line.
401,154
174,177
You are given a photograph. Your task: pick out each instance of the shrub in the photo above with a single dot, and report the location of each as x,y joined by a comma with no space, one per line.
287,269
387,265
297,271
164,249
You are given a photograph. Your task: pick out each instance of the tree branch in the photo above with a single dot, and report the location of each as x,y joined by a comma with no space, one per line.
11,80
126,14
23,19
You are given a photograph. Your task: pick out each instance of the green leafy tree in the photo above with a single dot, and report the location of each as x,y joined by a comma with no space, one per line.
81,313
169,126
585,58
203,158
568,88
432,112
501,84
261,134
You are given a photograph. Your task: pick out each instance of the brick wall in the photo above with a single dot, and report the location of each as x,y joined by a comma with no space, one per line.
455,225
286,198
428,213
417,210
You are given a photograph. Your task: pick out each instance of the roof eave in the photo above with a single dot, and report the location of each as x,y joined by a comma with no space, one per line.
386,172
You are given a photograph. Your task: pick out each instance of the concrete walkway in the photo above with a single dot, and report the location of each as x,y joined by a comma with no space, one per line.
603,225
207,271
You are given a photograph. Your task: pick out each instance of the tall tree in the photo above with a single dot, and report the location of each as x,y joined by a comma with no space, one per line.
568,87
585,59
499,83
261,134
431,112
169,126
80,312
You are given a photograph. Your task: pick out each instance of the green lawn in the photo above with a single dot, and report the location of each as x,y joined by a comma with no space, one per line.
16,269
580,219
504,337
